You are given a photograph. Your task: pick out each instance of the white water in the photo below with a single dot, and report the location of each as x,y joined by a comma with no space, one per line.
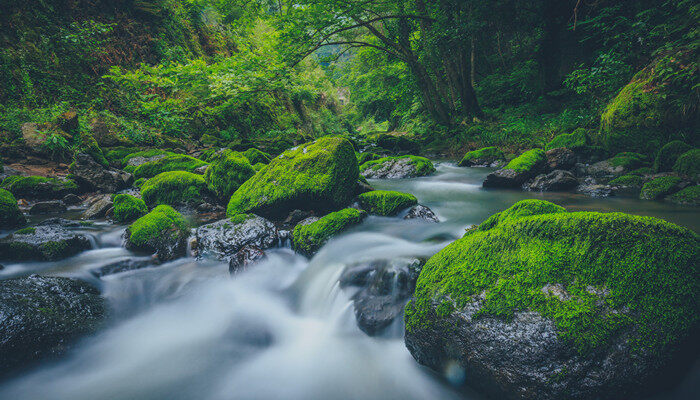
284,329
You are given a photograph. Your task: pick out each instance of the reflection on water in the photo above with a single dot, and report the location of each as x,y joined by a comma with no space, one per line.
281,330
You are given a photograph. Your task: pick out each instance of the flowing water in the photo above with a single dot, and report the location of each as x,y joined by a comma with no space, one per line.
284,329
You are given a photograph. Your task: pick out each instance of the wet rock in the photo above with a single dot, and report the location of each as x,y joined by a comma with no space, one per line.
560,158
99,207
555,181
363,187
421,212
41,317
385,287
43,242
162,231
47,207
397,167
295,217
518,171
71,199
128,264
137,161
223,239
244,258
201,170
93,176
595,190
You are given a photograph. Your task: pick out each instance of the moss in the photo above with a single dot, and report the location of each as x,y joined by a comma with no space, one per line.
688,164
311,237
256,156
38,187
26,231
485,155
689,196
620,271
629,160
527,161
117,154
145,154
667,156
364,157
422,165
318,175
641,171
174,162
128,208
386,202
139,182
10,215
576,140
257,167
659,188
240,218
521,209
174,188
160,222
628,180
88,145
227,172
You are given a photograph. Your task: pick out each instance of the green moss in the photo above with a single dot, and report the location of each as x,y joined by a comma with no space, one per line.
641,171
25,231
145,153
311,237
629,160
484,155
317,175
527,161
256,156
240,218
88,145
688,164
659,188
576,140
627,180
423,166
139,182
227,172
174,188
10,215
117,154
619,271
175,162
667,156
524,208
161,221
257,167
128,208
38,187
689,196
386,202
364,157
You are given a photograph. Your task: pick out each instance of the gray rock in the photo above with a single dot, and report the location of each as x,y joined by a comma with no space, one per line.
136,161
223,239
128,264
201,170
508,178
245,257
43,242
47,207
71,199
99,207
93,176
421,212
560,158
393,168
595,190
555,181
41,317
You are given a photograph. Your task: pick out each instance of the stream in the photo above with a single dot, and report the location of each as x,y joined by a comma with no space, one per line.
283,329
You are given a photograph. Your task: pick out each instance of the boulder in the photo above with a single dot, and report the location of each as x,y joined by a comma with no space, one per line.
621,164
223,239
99,207
555,181
226,173
386,202
163,231
668,155
128,208
47,207
595,190
245,257
688,196
540,303
256,156
138,158
518,171
10,215
308,238
320,175
93,176
38,187
485,157
34,135
167,163
688,165
71,199
175,188
560,158
421,212
397,167
661,187
48,241
42,317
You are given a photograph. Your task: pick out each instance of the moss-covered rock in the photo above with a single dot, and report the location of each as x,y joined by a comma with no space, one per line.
88,145
397,143
175,188
256,156
586,303
576,141
688,196
319,175
10,215
667,156
660,187
628,180
257,167
397,167
137,158
688,164
226,172
517,171
38,187
309,238
386,202
116,155
482,157
175,162
366,156
163,231
48,241
128,208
